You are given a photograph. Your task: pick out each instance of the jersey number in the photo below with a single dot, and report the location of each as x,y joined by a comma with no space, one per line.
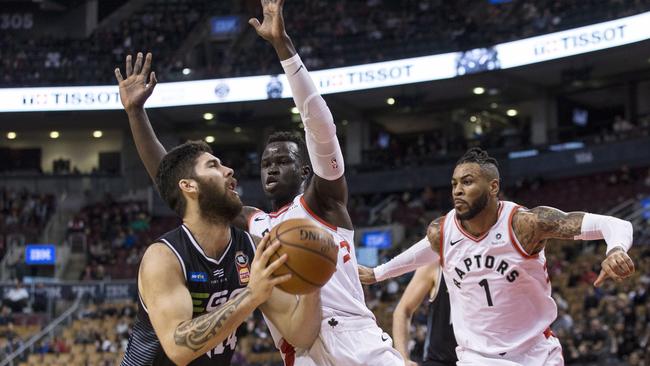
345,245
486,287
230,342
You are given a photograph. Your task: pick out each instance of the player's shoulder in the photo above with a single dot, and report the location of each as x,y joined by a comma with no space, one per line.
243,239
159,258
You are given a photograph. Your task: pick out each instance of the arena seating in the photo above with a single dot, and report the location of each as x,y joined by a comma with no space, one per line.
347,33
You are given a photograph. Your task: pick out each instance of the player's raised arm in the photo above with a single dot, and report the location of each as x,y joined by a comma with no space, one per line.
134,92
169,304
415,292
420,254
532,228
327,193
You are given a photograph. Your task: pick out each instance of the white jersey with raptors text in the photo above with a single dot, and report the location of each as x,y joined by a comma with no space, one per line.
500,297
342,295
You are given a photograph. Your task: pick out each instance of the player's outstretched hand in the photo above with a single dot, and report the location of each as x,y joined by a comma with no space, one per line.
272,26
262,280
366,275
134,90
617,266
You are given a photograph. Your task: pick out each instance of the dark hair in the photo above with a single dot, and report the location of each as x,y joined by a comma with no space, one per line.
479,156
288,136
178,164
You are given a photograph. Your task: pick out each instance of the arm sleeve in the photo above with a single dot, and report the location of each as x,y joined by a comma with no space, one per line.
616,232
414,257
320,131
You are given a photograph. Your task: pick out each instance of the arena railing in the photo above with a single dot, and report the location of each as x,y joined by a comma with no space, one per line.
48,330
507,55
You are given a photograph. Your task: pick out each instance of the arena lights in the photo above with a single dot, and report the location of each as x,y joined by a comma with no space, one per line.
494,105
344,122
11,135
208,116
512,112
209,139
295,110
522,52
237,129
98,134
390,101
54,134
478,90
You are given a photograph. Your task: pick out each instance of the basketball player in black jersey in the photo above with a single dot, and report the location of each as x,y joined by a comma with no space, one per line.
440,344
199,282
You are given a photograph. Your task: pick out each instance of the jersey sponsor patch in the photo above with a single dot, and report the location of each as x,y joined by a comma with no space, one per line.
244,275
198,277
241,259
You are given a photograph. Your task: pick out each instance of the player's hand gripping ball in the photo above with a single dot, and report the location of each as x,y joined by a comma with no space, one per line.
312,255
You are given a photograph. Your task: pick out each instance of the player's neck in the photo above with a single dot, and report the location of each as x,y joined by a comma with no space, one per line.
212,237
484,221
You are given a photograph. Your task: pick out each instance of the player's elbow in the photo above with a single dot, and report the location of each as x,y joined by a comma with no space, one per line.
402,312
177,355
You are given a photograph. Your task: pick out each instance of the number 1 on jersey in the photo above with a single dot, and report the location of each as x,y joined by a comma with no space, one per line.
486,287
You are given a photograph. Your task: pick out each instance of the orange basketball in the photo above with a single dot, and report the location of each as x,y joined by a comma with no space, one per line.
311,251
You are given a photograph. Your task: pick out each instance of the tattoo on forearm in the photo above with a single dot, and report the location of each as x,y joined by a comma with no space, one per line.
195,334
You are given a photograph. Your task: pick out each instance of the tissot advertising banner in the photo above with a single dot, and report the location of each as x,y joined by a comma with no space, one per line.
400,72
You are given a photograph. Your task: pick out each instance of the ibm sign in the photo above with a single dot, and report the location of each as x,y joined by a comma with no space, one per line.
40,254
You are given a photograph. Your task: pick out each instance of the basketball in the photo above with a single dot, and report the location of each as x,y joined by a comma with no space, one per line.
312,255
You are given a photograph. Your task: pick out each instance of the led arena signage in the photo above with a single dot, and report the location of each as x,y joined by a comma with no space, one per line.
377,75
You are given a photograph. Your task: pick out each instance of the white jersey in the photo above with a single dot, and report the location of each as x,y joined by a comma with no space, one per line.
500,296
342,295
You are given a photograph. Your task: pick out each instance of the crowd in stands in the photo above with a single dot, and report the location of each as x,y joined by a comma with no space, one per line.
328,34
115,236
160,27
23,216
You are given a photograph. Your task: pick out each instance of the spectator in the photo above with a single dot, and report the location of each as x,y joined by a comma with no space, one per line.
17,298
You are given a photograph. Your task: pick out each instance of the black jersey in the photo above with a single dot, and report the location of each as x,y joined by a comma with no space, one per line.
440,343
211,282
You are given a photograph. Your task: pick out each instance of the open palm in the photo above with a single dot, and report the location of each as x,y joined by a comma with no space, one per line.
272,26
134,90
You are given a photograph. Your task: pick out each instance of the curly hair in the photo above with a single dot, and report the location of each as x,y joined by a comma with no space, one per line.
488,164
178,164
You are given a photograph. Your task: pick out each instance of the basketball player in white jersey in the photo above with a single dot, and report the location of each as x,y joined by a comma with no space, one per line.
349,332
492,255
440,343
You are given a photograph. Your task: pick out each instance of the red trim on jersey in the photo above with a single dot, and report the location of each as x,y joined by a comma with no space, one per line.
251,217
513,238
442,241
485,234
548,333
311,213
289,352
280,211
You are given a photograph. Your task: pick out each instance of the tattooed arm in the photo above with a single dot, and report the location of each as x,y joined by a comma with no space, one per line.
533,227
161,283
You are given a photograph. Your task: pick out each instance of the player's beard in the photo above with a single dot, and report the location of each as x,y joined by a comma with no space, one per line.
476,208
217,204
